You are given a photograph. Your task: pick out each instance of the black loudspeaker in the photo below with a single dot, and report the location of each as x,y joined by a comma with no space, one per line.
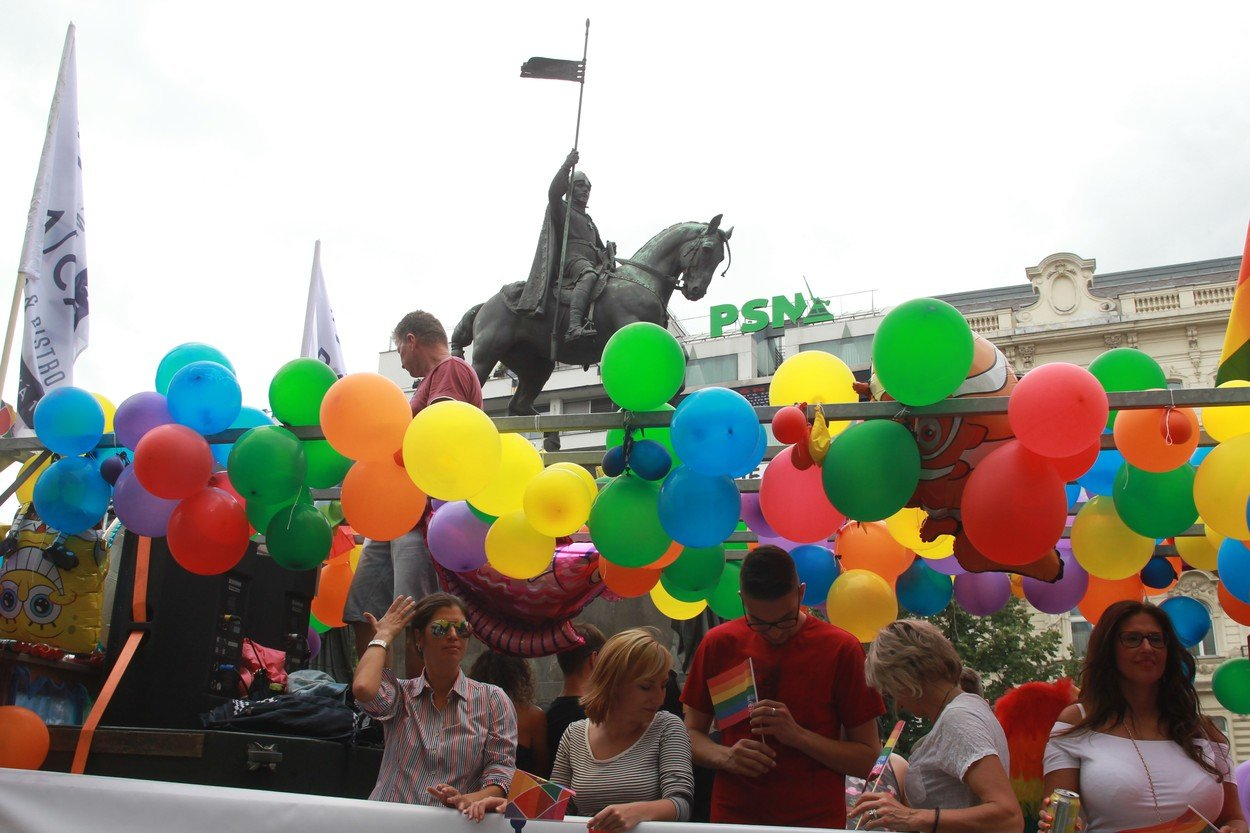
189,658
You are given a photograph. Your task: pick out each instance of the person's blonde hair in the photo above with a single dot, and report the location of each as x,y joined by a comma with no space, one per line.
627,657
908,653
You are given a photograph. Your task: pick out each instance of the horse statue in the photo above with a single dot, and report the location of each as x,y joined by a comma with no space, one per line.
683,256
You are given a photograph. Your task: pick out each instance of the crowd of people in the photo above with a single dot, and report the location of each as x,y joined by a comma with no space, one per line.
1135,746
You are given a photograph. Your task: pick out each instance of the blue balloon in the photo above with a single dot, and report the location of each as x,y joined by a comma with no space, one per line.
650,460
817,569
1233,566
1190,619
1158,573
715,431
183,355
71,496
698,510
1200,454
1100,479
923,590
757,455
613,464
247,418
1073,492
205,396
69,421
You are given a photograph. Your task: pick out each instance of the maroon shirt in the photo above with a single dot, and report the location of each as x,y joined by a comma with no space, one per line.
452,378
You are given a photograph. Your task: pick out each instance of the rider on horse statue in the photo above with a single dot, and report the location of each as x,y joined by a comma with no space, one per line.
586,258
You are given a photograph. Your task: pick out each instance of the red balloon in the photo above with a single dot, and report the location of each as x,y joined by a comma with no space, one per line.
208,532
789,425
1014,507
1058,409
1175,427
221,480
793,501
1070,468
24,738
173,461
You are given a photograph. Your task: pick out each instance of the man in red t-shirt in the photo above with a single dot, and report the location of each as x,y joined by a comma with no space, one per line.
816,716
404,566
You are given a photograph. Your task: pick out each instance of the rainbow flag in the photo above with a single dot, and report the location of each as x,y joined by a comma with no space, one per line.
878,768
733,694
1235,358
1190,821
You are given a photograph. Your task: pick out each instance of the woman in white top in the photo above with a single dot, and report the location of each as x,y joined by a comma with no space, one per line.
1136,747
957,776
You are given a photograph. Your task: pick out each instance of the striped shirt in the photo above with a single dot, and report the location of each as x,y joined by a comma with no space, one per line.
656,766
470,745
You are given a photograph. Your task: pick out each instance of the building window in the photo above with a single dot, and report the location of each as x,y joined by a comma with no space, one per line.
1176,384
855,351
1080,635
1221,723
1206,648
768,356
712,370
598,405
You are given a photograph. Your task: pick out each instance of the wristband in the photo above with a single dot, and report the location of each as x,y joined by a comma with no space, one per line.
937,814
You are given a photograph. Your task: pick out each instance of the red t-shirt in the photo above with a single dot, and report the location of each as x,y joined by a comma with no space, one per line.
452,378
819,674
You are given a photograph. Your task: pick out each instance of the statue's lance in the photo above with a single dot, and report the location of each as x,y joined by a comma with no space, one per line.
562,70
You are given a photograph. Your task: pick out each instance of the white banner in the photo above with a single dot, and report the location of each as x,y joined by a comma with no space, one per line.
321,337
54,253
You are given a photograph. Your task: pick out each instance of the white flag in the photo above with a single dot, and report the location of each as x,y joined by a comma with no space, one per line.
54,254
321,338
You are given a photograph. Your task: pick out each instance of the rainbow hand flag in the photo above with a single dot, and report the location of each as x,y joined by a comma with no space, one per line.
733,694
1235,358
878,768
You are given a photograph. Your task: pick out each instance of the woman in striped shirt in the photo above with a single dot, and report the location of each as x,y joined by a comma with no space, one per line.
450,740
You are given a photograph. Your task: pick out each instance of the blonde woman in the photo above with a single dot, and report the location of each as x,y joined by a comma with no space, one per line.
957,776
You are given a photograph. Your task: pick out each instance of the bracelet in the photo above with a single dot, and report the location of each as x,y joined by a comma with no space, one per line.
382,643
937,814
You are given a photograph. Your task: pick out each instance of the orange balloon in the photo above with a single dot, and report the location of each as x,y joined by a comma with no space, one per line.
1140,438
1236,609
332,586
628,582
869,546
380,501
24,738
667,558
1017,585
1102,593
364,416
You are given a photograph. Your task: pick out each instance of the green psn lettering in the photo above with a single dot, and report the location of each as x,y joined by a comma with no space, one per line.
723,315
754,315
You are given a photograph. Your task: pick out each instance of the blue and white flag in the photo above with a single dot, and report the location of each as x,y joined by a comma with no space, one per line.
54,253
321,338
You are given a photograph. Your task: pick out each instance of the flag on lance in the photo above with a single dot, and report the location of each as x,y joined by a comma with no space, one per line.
53,268
321,337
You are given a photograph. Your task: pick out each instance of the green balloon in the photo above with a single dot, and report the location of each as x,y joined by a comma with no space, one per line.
298,537
616,436
922,351
695,571
643,366
724,600
871,470
1155,504
680,593
326,467
1126,368
267,464
333,510
260,514
625,524
1231,685
296,391
316,624
482,516
739,545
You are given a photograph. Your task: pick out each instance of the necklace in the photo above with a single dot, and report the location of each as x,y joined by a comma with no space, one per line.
1149,778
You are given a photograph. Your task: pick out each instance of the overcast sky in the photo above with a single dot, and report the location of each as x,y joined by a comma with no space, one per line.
907,148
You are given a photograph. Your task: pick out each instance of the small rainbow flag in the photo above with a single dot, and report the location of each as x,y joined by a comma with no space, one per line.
733,694
1235,358
878,768
1190,821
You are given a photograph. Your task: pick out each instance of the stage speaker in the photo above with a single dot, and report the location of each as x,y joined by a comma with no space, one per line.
189,659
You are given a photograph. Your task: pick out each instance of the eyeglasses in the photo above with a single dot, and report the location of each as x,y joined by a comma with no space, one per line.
441,627
1133,639
760,626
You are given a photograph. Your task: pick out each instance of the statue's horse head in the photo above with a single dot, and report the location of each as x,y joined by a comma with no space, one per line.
700,256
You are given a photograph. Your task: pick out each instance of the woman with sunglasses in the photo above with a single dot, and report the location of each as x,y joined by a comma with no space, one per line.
1135,746
450,740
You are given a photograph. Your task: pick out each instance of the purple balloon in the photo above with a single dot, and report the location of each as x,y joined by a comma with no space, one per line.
138,415
754,517
314,644
457,537
139,510
948,566
982,593
1064,594
1243,784
111,469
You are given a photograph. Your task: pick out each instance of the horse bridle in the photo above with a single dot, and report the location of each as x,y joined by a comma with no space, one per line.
685,260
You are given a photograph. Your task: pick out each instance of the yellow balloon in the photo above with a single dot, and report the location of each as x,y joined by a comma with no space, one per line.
516,549
519,464
556,502
1104,546
109,410
1228,421
904,527
861,602
26,492
1213,538
452,450
1222,487
675,608
1197,552
943,546
814,376
583,475
353,557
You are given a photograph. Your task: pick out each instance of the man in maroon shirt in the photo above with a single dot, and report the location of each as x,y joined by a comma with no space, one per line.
404,566
816,717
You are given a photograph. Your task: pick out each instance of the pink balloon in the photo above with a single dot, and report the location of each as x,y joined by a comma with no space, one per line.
794,504
1058,409
1014,506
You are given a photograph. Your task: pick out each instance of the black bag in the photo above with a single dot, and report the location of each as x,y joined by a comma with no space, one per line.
305,715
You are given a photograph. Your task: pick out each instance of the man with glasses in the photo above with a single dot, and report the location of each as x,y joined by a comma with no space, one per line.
816,716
